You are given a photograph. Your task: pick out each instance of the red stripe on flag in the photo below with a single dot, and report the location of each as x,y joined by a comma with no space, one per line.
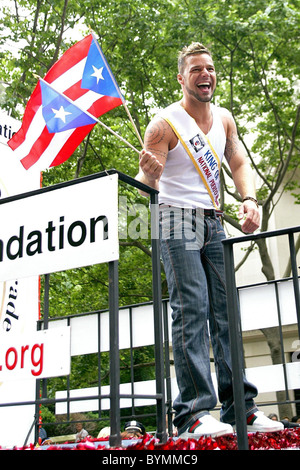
103,105
75,91
70,58
72,143
37,149
100,106
62,149
32,107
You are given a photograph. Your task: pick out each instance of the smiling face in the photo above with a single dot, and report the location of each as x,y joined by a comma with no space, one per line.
198,77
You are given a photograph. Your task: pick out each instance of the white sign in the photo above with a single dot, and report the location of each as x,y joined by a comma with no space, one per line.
8,127
38,355
67,227
19,299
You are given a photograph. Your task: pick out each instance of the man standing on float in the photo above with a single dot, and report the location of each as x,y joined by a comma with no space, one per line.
184,147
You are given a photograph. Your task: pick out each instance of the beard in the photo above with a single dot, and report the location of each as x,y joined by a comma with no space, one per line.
201,99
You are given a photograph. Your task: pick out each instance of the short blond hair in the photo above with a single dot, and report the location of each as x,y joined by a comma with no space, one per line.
192,49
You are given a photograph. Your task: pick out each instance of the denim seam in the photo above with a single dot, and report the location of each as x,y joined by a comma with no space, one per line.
215,270
217,340
183,335
208,261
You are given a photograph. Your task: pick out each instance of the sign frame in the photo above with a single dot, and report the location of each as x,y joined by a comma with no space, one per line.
65,226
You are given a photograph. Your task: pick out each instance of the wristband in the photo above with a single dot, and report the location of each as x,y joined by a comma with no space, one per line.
249,198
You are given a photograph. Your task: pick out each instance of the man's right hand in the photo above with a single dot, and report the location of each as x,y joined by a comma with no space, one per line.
151,167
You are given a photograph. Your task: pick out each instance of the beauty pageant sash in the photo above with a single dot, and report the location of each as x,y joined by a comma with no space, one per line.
197,146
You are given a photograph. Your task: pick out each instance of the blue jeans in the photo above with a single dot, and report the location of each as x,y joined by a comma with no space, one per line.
192,253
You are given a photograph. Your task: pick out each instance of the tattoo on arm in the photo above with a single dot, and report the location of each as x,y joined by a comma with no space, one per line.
155,135
232,146
158,153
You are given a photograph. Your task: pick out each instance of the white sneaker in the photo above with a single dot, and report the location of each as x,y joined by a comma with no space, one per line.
260,423
206,426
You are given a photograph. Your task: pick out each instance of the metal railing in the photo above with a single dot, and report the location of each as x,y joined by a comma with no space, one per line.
236,341
115,396
161,340
65,402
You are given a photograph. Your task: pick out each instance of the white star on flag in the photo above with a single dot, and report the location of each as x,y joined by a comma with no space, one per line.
60,113
97,73
42,142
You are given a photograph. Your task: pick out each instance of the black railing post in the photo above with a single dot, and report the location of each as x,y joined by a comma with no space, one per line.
43,382
236,343
158,322
115,434
295,277
236,347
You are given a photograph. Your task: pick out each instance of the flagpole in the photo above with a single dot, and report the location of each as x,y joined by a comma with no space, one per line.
117,87
90,115
117,135
133,123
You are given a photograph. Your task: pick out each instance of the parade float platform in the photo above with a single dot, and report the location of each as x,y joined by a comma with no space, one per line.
288,439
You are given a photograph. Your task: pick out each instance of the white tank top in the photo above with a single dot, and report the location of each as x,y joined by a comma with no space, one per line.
180,184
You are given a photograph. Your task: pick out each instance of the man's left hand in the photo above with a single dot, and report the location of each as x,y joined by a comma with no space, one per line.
250,213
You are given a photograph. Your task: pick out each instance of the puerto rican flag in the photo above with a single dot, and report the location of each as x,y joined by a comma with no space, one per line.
83,75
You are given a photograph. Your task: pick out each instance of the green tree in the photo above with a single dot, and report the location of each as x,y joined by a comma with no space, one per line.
255,44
